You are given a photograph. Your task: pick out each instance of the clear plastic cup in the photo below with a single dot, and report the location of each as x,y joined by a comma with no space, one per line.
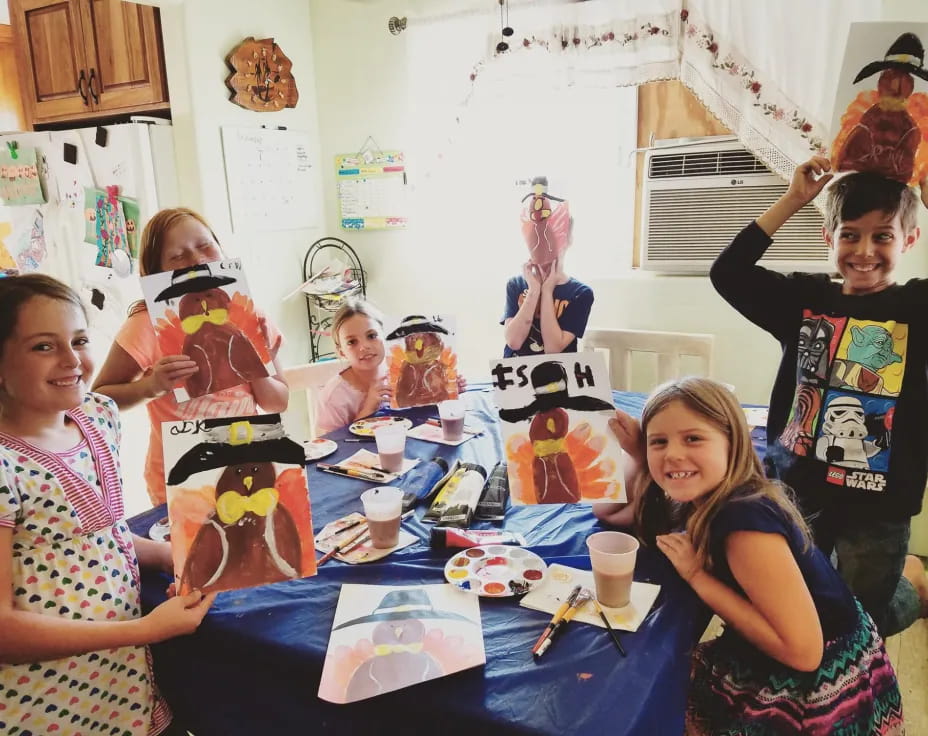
391,445
382,508
612,555
451,412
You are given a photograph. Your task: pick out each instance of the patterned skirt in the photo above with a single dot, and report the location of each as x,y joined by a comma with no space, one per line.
736,691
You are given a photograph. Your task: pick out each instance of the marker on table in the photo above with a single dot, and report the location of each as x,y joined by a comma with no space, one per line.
555,619
580,601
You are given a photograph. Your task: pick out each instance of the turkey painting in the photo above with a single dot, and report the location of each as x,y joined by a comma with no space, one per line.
881,111
237,502
206,313
387,638
422,364
554,413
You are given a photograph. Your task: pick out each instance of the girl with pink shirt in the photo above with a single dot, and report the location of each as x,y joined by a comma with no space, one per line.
360,389
135,369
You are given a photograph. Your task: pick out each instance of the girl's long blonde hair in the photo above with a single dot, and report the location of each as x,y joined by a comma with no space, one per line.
151,244
744,477
349,308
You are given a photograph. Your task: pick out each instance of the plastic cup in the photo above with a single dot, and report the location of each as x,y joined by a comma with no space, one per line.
382,508
612,555
451,412
391,445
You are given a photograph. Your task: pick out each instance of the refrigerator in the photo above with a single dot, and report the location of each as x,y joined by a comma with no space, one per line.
130,163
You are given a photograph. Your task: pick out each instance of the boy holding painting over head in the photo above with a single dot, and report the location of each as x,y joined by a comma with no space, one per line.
846,426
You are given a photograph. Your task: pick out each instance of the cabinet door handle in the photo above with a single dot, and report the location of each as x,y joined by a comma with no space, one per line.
81,81
93,92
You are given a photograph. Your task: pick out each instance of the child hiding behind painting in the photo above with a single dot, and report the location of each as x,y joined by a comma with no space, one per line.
360,389
135,369
73,655
799,654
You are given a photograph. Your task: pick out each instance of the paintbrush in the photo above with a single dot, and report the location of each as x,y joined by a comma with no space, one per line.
602,615
579,602
339,547
558,615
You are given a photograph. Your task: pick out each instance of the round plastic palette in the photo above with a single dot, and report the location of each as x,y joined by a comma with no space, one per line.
366,427
496,570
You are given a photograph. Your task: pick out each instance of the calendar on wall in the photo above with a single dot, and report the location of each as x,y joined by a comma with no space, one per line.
371,190
270,179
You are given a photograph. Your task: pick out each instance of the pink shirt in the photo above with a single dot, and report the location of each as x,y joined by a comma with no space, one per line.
338,404
137,337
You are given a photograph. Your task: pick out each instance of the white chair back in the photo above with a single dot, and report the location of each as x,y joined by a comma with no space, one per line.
310,378
669,348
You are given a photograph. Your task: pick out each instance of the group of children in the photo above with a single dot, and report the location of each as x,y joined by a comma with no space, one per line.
800,654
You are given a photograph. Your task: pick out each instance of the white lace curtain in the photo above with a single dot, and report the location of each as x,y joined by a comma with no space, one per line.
767,70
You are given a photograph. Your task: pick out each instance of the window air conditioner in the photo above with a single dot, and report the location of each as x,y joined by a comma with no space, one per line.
696,196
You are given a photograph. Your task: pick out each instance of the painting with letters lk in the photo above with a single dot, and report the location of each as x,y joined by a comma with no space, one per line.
238,503
206,313
554,411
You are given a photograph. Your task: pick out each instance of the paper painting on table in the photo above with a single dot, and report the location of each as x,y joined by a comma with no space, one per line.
237,502
421,362
386,638
880,120
206,313
554,413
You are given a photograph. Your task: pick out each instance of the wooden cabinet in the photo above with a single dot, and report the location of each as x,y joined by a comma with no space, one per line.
86,59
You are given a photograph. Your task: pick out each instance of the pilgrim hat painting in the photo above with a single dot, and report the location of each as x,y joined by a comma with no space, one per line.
882,130
545,223
554,412
206,313
387,638
238,503
421,362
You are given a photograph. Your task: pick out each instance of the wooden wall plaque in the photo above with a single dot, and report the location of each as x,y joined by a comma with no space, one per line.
261,78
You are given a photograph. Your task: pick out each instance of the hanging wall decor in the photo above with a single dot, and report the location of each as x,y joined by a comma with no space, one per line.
261,78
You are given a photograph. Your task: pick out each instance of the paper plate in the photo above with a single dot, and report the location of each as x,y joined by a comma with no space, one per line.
161,530
318,448
366,427
496,570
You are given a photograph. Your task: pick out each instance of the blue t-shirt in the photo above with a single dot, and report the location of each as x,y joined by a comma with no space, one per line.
833,601
572,303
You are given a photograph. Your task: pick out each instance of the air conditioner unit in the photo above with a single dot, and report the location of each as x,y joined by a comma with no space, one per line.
696,196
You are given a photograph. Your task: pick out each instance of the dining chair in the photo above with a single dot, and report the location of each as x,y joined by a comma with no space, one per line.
311,377
668,347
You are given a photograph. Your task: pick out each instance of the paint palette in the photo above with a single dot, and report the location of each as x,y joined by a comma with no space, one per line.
161,530
496,570
366,427
318,448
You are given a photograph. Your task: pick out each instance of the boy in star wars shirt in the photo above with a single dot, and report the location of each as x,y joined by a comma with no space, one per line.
846,427
546,310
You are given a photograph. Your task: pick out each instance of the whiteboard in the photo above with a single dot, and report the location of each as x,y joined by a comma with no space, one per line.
270,179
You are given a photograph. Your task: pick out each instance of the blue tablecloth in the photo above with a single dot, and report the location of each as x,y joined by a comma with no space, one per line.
254,665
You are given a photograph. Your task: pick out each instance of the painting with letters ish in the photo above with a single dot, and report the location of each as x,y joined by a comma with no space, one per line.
554,411
206,313
237,502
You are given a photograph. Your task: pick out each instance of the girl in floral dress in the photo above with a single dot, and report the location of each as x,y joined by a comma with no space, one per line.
73,654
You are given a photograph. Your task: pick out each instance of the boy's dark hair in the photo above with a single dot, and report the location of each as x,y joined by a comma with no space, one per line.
15,291
854,195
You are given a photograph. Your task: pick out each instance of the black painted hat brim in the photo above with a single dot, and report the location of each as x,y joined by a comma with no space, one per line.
212,455
404,330
558,400
404,616
878,66
201,283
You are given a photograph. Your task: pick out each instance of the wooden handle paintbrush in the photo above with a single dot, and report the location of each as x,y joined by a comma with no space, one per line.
347,543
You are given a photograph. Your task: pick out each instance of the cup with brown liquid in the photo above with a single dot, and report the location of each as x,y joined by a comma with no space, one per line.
382,508
391,444
612,555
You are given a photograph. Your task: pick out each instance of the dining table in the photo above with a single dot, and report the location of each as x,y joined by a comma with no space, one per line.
254,664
